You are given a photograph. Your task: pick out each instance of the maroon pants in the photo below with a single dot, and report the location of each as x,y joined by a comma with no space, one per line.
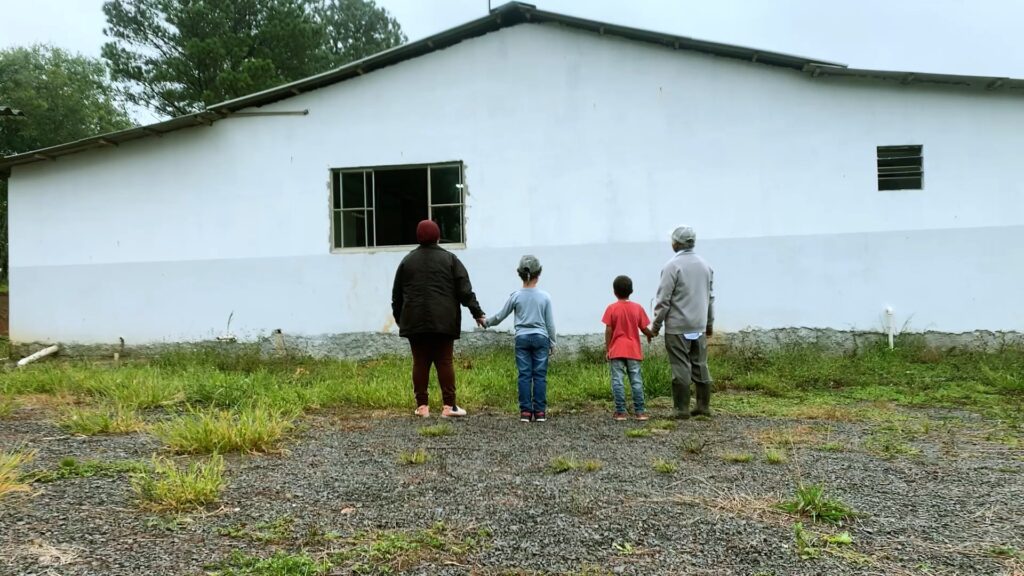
433,349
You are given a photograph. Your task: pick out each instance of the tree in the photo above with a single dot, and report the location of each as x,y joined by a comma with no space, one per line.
64,96
178,56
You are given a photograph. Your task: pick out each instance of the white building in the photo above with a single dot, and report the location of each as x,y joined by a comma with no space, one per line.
581,142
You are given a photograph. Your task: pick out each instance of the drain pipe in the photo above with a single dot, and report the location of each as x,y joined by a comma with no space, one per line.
891,326
41,354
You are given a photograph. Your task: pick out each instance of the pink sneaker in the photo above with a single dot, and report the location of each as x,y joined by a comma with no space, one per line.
452,412
423,411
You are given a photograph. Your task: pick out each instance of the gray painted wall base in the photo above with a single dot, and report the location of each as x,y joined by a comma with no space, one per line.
369,345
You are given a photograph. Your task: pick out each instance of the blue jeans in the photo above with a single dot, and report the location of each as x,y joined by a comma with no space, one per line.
619,366
532,362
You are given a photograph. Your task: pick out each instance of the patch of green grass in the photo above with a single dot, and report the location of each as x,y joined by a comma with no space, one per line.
663,425
168,488
279,564
562,464
8,404
272,531
388,552
664,466
1004,551
810,545
11,477
811,501
694,445
74,468
92,421
435,430
892,440
774,456
831,447
414,458
251,429
737,457
638,433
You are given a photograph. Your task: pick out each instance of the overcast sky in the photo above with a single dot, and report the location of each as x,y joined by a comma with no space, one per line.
955,36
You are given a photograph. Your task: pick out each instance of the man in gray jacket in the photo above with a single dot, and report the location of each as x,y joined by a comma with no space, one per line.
685,305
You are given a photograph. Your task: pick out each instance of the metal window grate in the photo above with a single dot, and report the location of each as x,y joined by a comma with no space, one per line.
900,168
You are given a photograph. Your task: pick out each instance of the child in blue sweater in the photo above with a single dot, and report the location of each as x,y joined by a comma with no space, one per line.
535,338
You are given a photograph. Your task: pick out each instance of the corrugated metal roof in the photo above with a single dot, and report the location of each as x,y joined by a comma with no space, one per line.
504,16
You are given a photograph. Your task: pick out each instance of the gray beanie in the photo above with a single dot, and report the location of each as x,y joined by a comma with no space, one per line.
684,234
529,267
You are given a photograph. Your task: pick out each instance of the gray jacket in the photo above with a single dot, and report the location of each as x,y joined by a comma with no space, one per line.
685,301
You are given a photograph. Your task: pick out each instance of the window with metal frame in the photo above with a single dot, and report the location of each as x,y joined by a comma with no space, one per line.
381,206
900,167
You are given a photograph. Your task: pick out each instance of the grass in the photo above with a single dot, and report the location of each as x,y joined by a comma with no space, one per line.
892,440
436,430
11,479
832,447
390,552
91,421
792,382
664,466
663,425
775,456
639,433
694,445
252,430
737,457
270,532
168,488
811,501
562,464
8,405
414,458
74,468
279,564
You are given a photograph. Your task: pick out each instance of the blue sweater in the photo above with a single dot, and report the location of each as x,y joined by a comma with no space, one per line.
533,313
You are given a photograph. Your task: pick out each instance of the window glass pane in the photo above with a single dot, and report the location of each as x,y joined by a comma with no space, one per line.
369,187
400,204
336,190
337,228
449,219
443,185
369,227
353,224
352,189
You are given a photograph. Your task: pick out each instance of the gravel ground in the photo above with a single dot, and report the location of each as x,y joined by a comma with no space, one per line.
941,512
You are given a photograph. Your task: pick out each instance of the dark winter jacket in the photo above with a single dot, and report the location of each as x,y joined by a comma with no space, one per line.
430,284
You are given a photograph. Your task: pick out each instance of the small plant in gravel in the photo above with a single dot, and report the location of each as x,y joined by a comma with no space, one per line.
252,429
74,468
271,531
663,425
436,430
831,447
890,441
624,548
591,465
280,564
663,466
811,501
414,458
773,456
168,488
809,545
91,421
561,464
638,433
1004,551
737,457
10,471
694,445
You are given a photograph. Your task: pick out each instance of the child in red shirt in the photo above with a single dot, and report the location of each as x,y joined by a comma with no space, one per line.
624,320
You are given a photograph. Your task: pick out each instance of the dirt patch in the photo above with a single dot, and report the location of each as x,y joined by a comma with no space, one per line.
950,509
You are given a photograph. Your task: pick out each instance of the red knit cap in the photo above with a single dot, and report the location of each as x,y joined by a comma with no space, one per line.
427,232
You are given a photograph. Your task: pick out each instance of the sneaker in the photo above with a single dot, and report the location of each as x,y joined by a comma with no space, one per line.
641,416
540,417
452,412
525,416
619,416
423,411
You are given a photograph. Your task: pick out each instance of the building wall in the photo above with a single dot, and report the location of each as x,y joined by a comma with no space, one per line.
582,149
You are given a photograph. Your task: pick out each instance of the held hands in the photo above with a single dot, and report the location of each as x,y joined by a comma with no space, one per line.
482,322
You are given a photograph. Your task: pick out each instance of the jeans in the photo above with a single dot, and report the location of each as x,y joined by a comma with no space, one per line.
532,362
619,367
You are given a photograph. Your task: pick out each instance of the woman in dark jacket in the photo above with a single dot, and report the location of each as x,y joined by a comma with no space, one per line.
430,284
